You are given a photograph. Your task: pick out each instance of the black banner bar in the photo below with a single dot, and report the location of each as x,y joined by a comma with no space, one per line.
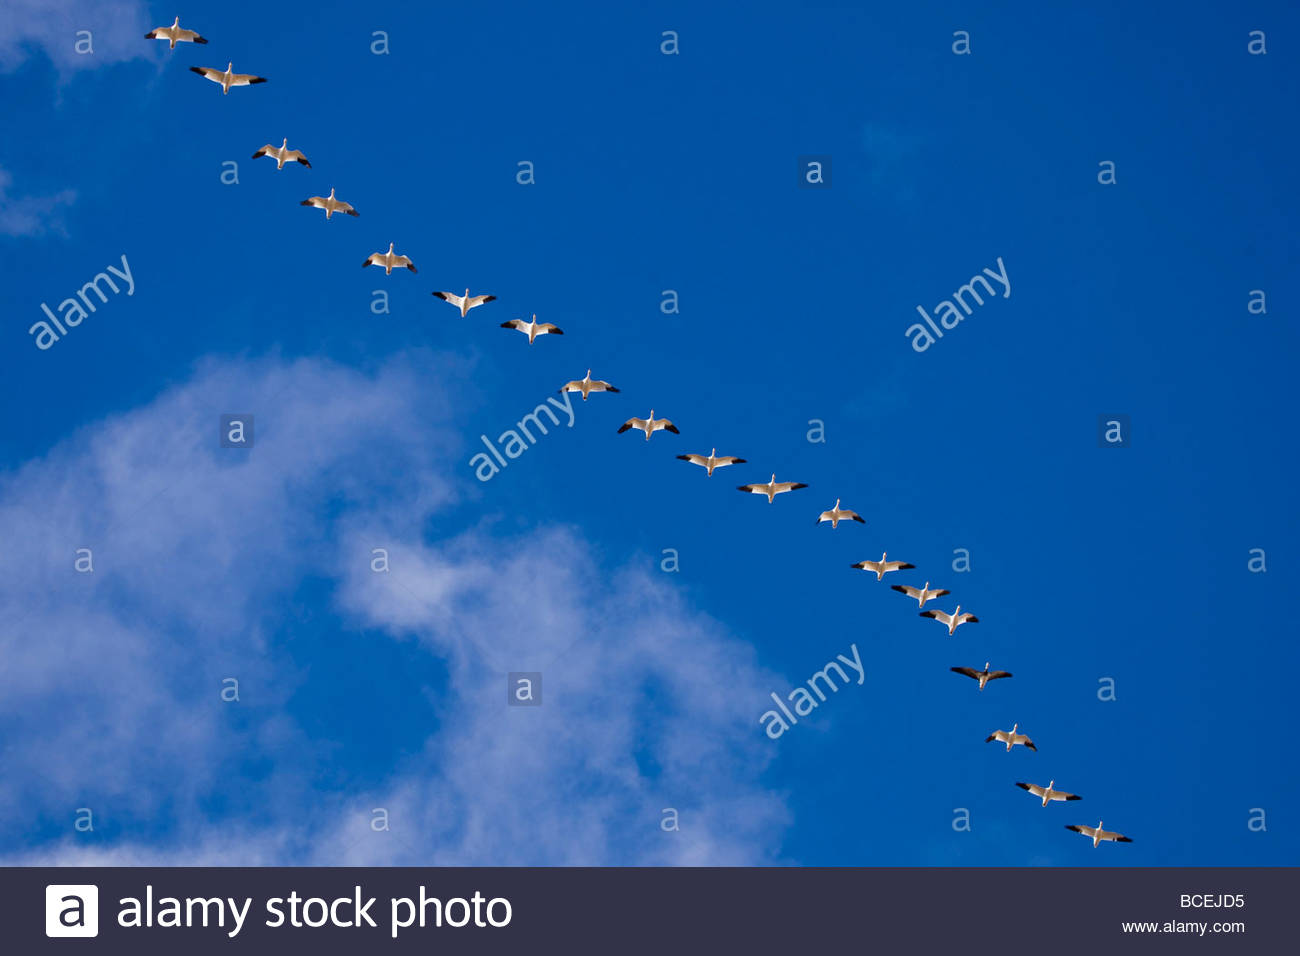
515,910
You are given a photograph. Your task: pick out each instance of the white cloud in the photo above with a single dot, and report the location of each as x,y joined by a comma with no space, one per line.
32,215
110,679
117,29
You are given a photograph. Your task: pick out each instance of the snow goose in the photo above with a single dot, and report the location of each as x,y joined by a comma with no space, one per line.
330,205
533,329
282,154
983,676
174,34
1011,738
952,620
712,460
587,386
921,594
649,425
465,302
227,78
1047,793
883,567
838,514
1098,834
771,488
389,260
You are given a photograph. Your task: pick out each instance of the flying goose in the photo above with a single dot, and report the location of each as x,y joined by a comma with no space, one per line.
282,154
533,329
389,260
1098,834
649,425
952,620
464,302
330,205
921,594
838,514
883,567
983,676
227,78
713,460
771,488
587,386
174,34
1047,793
1011,738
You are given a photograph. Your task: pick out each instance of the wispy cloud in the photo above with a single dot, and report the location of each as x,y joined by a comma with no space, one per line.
109,694
51,27
32,215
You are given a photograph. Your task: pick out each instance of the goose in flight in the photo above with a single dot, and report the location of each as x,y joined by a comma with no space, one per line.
771,488
883,567
838,514
330,205
1011,738
533,329
983,676
465,302
952,620
587,386
921,594
649,425
1098,834
389,260
282,154
174,34
712,460
226,77
1047,793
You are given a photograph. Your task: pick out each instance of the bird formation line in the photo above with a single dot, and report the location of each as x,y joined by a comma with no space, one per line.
389,260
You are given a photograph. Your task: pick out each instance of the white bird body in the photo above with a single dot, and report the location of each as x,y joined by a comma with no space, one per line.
587,386
922,594
772,488
1011,738
389,260
883,567
533,329
649,425
1097,834
228,77
838,514
330,205
712,460
953,620
174,34
282,154
983,676
465,302
1048,793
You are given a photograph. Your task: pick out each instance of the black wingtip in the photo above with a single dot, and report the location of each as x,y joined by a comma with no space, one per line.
303,162
200,40
257,79
197,69
1074,796
684,457
611,389
1022,786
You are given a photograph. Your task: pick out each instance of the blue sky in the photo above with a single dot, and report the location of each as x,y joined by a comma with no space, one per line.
361,690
